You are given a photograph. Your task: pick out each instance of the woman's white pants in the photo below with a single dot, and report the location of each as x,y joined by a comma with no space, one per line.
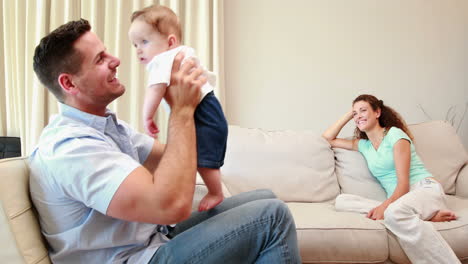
406,219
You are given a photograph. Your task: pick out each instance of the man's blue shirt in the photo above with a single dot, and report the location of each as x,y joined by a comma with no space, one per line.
76,168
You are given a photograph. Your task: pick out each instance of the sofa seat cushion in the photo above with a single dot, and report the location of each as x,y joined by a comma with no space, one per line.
454,232
298,166
328,236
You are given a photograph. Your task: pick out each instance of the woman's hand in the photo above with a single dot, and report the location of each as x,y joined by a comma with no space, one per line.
332,132
378,212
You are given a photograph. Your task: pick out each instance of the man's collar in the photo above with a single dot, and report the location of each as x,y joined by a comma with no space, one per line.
97,122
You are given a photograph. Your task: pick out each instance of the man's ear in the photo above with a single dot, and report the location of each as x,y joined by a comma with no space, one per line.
172,41
66,82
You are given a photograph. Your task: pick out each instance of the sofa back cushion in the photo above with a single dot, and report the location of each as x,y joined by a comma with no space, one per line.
354,176
20,216
441,151
297,165
462,182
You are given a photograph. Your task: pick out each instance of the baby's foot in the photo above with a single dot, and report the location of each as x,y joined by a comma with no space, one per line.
443,216
210,201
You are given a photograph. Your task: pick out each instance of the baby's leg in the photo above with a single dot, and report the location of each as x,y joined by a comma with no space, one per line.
212,129
354,203
212,179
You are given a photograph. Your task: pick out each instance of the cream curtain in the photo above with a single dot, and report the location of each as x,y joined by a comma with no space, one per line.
25,105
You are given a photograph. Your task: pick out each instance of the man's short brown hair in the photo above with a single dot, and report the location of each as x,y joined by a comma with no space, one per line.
55,54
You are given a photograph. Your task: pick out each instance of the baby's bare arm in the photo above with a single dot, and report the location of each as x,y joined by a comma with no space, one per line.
153,97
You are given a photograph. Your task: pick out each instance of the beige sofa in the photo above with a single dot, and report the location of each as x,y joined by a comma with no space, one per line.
302,169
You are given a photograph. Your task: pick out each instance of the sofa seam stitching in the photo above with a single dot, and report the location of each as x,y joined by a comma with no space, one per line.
15,215
42,258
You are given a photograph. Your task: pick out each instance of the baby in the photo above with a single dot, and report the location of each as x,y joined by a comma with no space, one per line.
156,34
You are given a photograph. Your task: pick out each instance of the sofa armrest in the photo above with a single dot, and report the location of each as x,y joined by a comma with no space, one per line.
19,211
9,252
462,182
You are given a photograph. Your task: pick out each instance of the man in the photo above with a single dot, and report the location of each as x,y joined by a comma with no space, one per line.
107,194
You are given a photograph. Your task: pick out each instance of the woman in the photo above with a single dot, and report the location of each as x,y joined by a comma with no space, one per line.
413,195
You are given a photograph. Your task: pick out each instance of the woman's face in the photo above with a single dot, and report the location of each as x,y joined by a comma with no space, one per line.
364,116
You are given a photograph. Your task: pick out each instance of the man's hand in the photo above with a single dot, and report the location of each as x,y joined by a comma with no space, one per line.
186,82
378,212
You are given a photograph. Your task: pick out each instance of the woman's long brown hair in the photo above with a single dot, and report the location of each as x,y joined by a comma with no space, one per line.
388,117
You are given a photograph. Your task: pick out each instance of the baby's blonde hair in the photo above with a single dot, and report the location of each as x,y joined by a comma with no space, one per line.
161,18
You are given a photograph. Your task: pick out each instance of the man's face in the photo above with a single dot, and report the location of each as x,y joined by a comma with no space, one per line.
146,40
96,82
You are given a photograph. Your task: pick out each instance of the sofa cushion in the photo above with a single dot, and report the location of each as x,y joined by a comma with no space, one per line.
454,232
441,151
9,252
296,165
462,182
328,236
14,196
354,176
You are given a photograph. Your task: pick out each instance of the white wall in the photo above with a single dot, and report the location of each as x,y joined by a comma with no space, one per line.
298,64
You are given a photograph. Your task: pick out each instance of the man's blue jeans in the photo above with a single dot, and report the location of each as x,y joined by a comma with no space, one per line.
252,227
